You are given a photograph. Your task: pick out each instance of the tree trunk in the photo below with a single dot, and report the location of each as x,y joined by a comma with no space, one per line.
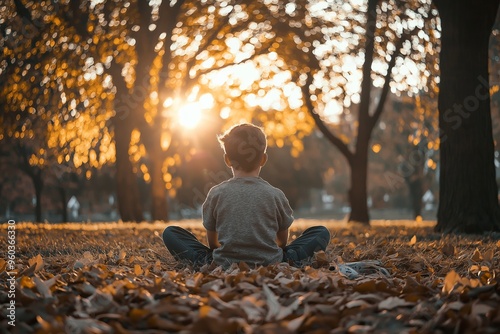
64,209
38,184
127,189
416,192
359,164
468,201
358,193
159,208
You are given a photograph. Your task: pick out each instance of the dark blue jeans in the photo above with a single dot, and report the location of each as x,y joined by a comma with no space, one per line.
184,246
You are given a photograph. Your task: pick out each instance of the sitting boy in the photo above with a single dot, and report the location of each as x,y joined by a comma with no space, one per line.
246,218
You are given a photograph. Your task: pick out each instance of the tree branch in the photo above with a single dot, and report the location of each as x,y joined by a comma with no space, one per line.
23,12
79,18
387,80
321,125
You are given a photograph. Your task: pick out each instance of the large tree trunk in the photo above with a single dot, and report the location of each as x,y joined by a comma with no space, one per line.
38,184
127,189
358,192
159,208
468,199
64,202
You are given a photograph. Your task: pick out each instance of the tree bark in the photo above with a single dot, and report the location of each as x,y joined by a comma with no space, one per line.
159,206
151,133
37,179
468,197
64,209
127,189
358,192
415,188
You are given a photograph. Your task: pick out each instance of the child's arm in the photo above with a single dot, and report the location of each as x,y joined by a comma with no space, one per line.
212,240
282,238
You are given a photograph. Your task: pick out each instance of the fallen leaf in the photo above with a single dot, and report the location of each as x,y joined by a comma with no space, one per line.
99,302
44,286
83,326
393,302
488,255
357,303
479,309
448,250
273,304
449,281
477,257
294,325
413,240
35,265
138,270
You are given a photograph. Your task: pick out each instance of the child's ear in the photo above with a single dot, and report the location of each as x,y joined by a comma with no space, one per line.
264,160
227,161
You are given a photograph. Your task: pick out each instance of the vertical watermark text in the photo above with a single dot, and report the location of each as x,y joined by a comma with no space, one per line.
11,265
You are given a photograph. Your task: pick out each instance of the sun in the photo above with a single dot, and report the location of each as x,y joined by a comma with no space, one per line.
189,115
192,112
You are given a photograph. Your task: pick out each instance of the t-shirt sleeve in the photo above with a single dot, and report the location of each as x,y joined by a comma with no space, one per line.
285,213
208,212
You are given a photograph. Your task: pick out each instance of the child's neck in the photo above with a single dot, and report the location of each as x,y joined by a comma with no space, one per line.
241,173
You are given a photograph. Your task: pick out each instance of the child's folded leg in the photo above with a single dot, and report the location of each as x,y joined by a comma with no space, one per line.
184,246
312,240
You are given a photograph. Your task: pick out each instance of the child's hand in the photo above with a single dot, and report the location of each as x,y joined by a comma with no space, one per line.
282,238
212,240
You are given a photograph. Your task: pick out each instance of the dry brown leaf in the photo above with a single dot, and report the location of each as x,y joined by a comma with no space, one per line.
27,282
477,257
254,313
158,322
86,260
392,303
413,240
456,306
43,287
194,281
450,280
488,255
35,265
3,265
479,309
99,302
448,250
84,326
357,303
138,270
273,304
122,255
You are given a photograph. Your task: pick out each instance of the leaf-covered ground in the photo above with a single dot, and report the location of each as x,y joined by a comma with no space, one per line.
119,278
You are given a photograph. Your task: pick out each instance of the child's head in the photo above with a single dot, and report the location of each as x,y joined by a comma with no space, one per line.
245,145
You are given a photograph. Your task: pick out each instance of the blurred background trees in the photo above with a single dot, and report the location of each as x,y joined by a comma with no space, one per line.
134,92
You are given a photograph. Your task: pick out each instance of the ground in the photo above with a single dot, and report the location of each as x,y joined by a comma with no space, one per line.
119,278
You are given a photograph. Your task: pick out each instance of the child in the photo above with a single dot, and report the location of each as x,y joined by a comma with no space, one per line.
246,218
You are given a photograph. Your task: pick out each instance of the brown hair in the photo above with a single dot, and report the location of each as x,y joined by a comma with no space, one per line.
244,144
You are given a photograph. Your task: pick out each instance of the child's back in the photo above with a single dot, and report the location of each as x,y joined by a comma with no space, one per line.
247,213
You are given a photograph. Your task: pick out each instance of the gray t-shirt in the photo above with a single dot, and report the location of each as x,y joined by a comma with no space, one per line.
246,213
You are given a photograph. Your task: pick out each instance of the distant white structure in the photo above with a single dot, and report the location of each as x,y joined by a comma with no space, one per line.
428,200
73,206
